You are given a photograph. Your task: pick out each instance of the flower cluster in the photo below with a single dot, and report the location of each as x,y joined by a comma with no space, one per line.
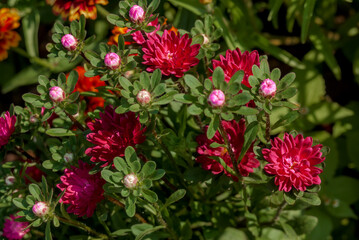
13,229
9,20
7,127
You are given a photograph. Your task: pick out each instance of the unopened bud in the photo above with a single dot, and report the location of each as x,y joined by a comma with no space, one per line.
216,98
69,42
205,39
112,60
33,119
130,180
9,180
40,209
268,88
143,97
137,14
68,157
57,94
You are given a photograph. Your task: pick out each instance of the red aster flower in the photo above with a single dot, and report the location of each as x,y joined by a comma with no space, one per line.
116,32
9,20
235,131
293,162
235,61
89,84
73,9
82,190
112,133
13,230
7,128
170,53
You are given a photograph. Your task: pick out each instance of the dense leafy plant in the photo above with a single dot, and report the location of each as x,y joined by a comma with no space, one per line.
161,135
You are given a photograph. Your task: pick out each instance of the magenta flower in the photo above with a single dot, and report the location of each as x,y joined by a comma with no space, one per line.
14,230
7,128
138,37
112,134
69,42
235,61
170,53
268,88
235,131
83,191
292,161
136,14
216,98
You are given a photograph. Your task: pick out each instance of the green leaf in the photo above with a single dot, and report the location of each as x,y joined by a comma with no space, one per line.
121,232
311,198
286,119
71,81
322,44
121,165
35,191
236,78
159,90
218,77
176,196
145,80
165,99
290,198
125,83
286,81
30,26
243,110
192,82
194,109
30,97
149,168
288,93
158,174
59,132
249,137
148,231
56,221
48,235
240,99
130,154
307,18
193,6
149,195
82,23
20,203
155,78
289,231
106,175
184,98
213,126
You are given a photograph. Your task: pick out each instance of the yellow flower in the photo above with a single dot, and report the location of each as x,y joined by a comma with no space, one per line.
9,20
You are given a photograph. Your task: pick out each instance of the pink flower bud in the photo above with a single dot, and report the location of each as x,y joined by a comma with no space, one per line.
9,180
33,119
57,94
216,98
268,88
68,157
130,180
40,209
137,14
112,60
205,39
143,97
69,42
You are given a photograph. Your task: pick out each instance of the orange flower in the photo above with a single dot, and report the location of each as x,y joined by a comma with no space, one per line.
9,20
73,9
117,31
89,84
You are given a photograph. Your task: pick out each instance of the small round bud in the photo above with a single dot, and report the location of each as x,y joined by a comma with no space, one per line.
40,209
68,157
130,180
112,60
137,14
205,1
69,42
129,74
268,88
9,180
143,97
57,94
205,39
216,98
33,119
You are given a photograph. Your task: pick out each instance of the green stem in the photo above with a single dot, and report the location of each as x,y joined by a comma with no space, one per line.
267,127
163,222
229,149
82,226
101,10
277,215
39,61
77,123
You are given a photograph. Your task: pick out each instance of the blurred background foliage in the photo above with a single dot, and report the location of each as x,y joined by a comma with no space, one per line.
317,39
